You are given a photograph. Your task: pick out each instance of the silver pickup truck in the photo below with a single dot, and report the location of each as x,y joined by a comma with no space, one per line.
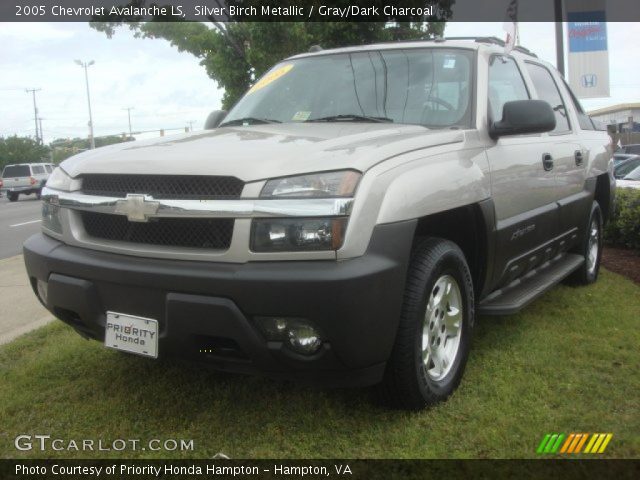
345,223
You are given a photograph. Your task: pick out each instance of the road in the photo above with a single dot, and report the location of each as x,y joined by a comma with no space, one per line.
18,221
22,312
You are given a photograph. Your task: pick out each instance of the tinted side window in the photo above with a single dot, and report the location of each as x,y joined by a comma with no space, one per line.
505,85
49,168
37,169
548,91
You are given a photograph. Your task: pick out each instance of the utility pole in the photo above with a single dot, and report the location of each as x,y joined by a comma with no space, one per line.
558,14
41,134
35,110
86,65
128,109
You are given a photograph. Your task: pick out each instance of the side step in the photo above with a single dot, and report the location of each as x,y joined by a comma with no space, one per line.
519,293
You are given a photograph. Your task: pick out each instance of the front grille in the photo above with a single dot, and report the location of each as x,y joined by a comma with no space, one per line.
163,186
209,233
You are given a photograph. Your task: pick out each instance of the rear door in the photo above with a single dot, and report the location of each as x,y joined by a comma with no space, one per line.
569,155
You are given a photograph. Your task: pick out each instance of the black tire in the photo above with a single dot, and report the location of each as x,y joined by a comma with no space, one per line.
588,272
13,197
38,194
406,383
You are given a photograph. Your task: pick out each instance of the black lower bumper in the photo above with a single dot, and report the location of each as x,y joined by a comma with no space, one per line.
204,306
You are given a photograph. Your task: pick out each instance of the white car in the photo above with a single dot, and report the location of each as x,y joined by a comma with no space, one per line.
631,180
25,178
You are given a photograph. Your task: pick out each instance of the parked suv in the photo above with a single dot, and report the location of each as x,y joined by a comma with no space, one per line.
25,178
345,223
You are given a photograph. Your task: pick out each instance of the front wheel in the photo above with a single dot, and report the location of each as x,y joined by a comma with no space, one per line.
434,335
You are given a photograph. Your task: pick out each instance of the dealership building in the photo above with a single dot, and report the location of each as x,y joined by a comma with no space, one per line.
624,116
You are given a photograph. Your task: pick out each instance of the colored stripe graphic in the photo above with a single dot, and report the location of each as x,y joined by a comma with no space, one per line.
606,442
543,443
574,443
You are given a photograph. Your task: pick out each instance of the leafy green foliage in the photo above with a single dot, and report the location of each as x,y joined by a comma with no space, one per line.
624,227
236,54
22,150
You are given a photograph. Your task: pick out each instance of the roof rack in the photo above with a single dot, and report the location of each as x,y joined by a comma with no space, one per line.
490,40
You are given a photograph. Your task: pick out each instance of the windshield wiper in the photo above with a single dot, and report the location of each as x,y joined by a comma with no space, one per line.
352,118
248,120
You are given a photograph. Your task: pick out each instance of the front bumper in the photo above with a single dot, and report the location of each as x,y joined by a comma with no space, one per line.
210,306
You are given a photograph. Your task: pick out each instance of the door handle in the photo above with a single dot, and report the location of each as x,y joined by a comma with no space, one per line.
547,162
579,158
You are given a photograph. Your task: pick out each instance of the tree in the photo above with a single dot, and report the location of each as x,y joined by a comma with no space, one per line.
235,54
22,150
63,148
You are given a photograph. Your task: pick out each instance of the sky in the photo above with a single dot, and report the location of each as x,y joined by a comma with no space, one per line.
168,89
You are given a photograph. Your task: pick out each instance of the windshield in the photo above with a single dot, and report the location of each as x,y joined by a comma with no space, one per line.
429,87
623,169
634,175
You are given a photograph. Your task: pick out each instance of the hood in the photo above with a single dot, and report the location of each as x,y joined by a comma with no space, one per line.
258,152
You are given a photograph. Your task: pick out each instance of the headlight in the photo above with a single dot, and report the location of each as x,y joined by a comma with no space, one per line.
340,183
59,180
297,234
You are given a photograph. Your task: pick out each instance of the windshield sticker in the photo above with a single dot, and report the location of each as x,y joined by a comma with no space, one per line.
271,77
301,116
449,62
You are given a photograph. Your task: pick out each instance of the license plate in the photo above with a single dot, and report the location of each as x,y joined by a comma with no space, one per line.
132,334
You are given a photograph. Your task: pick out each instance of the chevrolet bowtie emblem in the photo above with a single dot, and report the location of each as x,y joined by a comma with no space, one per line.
137,208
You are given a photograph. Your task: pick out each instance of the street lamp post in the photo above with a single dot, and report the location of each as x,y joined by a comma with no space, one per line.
86,65
128,109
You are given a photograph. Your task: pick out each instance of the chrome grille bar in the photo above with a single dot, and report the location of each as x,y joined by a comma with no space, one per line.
243,208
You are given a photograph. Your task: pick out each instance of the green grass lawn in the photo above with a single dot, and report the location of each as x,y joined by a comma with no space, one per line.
569,363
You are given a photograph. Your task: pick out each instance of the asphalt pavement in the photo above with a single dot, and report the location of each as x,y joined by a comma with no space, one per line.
20,310
18,221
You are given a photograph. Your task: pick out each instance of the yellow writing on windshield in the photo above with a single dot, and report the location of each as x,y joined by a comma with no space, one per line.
271,77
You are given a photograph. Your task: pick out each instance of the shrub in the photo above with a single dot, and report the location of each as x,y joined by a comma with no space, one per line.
624,227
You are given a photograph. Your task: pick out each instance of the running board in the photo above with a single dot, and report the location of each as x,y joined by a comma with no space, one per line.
519,293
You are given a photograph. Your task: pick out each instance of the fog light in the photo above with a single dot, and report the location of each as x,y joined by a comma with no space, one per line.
297,333
304,339
42,288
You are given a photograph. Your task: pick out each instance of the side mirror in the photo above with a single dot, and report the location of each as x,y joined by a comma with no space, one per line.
524,116
214,119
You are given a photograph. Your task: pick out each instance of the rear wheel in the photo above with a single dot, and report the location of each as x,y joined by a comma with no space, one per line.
433,339
591,249
12,196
